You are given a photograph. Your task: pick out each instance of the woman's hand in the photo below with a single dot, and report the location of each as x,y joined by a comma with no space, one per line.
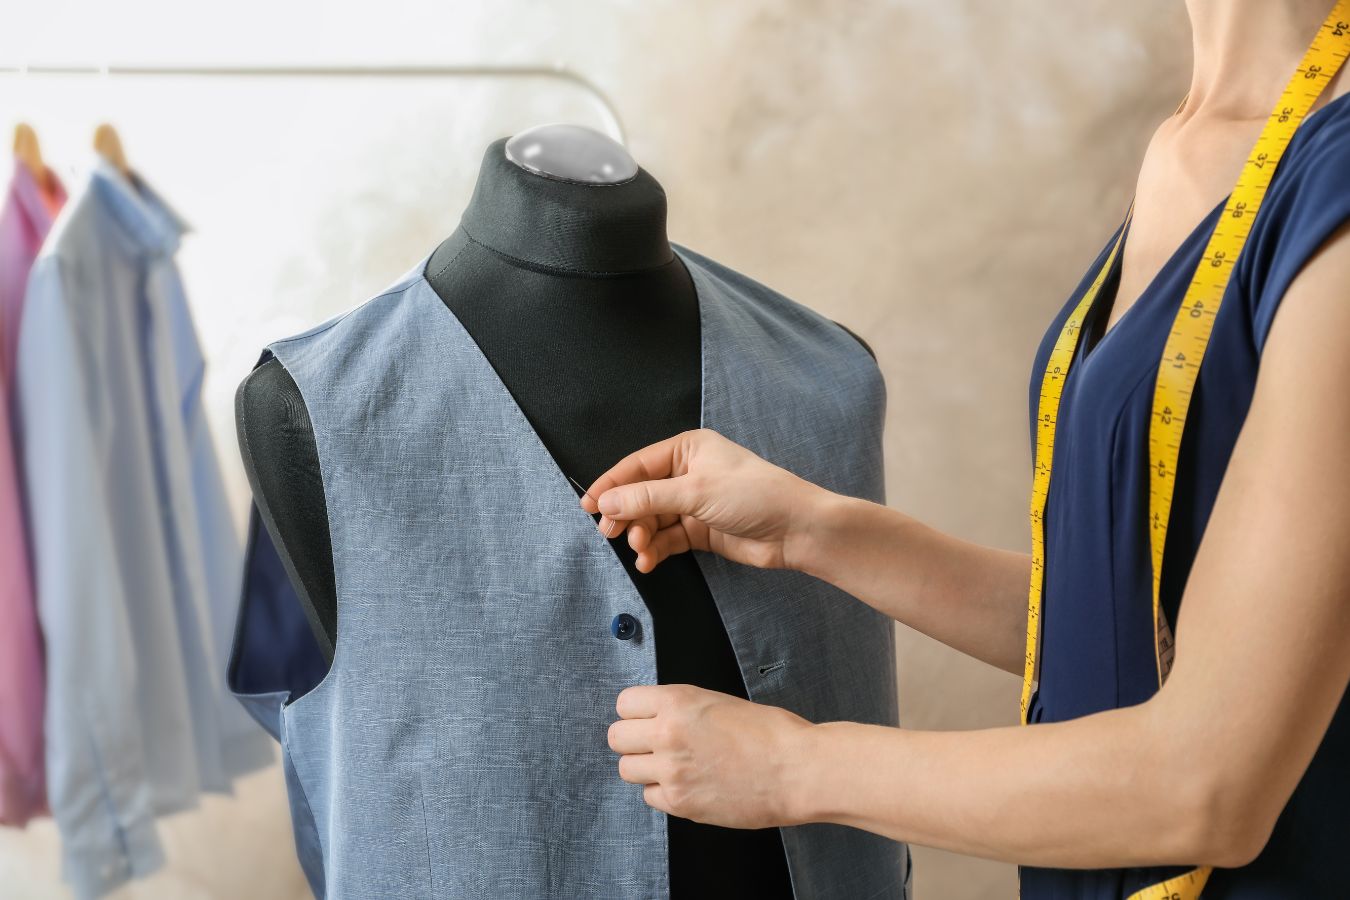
700,491
707,756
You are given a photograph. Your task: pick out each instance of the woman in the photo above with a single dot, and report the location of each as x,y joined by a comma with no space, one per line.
1242,760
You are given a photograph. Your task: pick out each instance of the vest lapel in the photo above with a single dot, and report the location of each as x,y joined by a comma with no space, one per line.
732,407
524,442
732,404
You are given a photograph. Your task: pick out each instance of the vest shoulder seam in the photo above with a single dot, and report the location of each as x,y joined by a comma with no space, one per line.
338,320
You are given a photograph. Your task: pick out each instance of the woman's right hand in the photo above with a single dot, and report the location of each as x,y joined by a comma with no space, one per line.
700,491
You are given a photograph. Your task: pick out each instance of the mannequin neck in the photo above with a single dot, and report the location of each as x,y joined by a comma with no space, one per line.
583,229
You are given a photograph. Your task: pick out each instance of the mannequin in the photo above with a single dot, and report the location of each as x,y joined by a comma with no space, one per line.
562,274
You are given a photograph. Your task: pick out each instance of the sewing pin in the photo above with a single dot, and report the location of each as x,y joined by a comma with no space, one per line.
608,531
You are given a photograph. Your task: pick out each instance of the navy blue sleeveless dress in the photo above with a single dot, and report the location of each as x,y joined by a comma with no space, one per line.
1097,640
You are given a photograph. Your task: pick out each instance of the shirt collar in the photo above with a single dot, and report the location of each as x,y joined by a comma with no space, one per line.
27,194
141,212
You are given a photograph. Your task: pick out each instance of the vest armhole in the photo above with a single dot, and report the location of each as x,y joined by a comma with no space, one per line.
280,456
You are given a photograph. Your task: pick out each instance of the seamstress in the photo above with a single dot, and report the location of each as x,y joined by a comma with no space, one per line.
1241,760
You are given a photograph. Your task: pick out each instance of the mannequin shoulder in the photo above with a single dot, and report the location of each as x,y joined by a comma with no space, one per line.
269,407
281,459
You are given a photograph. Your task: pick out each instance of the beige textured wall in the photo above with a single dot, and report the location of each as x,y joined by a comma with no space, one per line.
934,173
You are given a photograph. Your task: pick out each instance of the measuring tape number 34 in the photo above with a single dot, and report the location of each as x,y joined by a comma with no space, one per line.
1179,366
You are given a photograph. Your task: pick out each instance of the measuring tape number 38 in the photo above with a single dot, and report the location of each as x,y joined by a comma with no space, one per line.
1179,366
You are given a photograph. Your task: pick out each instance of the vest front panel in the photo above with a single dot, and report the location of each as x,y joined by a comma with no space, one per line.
457,746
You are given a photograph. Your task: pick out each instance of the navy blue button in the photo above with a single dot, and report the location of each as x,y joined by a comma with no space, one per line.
624,627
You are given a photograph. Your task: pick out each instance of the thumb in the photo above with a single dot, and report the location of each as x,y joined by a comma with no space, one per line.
665,496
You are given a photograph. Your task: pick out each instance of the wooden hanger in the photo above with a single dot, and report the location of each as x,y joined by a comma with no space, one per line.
28,151
108,145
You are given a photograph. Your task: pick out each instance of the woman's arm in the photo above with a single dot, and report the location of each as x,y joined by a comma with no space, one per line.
1197,775
970,597
699,490
1200,773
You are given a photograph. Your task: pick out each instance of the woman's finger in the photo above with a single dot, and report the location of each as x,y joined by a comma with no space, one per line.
638,768
666,542
655,797
632,736
640,533
653,461
665,496
641,701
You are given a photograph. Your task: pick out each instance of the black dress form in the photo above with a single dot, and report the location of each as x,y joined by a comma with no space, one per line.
574,296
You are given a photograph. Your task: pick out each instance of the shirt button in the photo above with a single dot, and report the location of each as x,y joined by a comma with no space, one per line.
624,627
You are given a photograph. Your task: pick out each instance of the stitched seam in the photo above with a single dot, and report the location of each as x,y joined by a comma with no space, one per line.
1111,558
342,318
564,270
309,810
426,828
590,184
451,261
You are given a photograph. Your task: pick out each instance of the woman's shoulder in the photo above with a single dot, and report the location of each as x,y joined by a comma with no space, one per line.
1325,133
1307,203
1317,160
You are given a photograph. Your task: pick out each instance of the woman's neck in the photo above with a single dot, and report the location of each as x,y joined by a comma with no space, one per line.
1245,51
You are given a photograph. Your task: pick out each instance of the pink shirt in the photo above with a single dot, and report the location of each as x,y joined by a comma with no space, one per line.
25,220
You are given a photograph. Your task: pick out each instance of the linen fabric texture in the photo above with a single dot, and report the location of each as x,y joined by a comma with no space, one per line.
456,747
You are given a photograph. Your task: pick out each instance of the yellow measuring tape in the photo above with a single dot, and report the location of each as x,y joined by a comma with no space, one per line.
1179,366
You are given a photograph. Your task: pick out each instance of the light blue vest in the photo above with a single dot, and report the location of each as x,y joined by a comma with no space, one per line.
457,747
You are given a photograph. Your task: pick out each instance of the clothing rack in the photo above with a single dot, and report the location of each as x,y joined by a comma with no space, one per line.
608,111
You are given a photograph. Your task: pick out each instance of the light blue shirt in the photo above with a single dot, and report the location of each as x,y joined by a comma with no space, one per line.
137,560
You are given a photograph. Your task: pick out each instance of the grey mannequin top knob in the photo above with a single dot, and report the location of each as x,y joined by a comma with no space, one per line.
571,153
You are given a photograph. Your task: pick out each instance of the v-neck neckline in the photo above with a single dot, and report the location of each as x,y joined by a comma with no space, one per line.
1104,305
563,480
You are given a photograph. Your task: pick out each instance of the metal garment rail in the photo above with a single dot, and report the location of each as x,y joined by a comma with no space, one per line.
609,113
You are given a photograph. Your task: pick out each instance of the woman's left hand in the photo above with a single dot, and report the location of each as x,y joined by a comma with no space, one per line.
708,756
